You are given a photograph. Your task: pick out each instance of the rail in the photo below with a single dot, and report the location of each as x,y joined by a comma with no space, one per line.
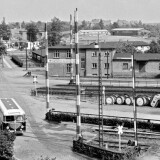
122,82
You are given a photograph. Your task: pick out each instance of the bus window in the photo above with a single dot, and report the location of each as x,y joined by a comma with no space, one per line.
9,118
19,118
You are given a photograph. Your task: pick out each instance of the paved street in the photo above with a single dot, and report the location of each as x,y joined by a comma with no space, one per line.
49,139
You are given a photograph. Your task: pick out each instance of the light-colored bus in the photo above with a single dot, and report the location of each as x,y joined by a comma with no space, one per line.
12,116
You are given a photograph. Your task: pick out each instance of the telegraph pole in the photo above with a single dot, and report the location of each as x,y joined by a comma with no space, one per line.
71,49
47,77
134,103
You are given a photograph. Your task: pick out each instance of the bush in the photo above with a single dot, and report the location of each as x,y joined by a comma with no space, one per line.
17,60
6,145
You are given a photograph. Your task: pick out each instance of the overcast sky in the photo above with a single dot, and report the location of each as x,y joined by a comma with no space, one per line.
45,10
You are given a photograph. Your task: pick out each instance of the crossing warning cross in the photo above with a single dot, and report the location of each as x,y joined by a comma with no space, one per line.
120,131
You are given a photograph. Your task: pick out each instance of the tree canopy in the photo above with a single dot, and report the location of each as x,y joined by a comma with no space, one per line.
32,31
54,32
4,31
2,49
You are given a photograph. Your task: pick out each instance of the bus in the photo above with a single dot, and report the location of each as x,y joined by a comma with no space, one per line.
12,116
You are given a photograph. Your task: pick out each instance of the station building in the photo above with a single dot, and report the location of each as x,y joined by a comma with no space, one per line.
60,59
146,65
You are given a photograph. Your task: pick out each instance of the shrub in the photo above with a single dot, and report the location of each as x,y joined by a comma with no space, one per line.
6,145
17,60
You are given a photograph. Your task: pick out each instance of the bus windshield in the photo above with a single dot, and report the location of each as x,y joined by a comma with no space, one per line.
14,118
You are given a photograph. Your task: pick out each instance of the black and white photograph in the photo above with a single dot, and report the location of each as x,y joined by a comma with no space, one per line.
79,80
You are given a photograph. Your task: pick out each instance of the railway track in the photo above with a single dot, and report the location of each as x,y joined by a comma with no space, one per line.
93,90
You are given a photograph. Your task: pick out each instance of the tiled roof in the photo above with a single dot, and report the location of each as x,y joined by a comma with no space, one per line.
40,52
138,56
127,29
103,45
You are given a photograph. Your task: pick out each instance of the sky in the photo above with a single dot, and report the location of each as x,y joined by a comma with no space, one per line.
148,11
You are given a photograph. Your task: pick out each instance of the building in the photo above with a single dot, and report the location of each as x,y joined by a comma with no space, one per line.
130,32
146,64
60,59
93,32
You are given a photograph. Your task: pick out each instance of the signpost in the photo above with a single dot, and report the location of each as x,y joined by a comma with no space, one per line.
35,82
120,131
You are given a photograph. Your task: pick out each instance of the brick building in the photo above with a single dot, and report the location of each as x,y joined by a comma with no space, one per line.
146,64
88,59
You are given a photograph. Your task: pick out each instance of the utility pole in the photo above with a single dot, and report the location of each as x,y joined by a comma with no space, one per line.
133,92
47,76
26,57
100,102
71,50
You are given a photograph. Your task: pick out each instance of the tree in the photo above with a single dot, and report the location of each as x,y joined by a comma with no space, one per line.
154,47
32,31
4,31
125,47
101,24
115,25
2,49
54,32
83,25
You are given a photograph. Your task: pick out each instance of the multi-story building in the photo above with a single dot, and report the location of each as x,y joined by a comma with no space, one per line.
60,58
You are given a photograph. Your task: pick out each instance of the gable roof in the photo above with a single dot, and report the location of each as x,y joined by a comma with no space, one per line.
103,45
137,56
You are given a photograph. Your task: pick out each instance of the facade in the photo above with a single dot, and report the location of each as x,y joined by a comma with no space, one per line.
130,32
146,64
60,59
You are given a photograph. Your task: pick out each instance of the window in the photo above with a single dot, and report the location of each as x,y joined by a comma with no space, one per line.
94,65
68,54
9,118
68,68
106,65
125,66
94,54
56,54
94,74
82,63
106,54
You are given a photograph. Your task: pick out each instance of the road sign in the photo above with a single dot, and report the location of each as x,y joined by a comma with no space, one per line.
120,129
61,60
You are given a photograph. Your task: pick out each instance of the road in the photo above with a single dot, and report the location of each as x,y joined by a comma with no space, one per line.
41,137
49,139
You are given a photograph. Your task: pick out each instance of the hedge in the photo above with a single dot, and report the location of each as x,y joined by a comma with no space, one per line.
6,145
69,117
17,60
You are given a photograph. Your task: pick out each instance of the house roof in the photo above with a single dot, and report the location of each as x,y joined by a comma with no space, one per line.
103,45
127,29
40,52
137,56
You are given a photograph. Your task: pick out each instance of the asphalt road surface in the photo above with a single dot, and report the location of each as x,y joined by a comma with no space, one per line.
50,139
41,137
